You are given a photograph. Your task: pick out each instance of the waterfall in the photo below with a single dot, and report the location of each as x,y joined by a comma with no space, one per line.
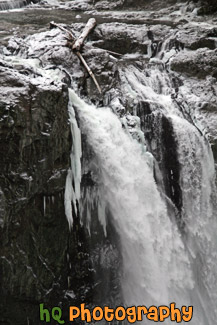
199,214
157,266
196,179
161,263
13,4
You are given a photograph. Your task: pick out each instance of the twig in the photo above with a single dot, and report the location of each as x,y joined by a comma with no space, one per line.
111,52
53,24
76,45
115,53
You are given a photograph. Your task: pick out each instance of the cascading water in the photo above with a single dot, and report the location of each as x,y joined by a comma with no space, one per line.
161,263
13,4
197,178
157,266
199,195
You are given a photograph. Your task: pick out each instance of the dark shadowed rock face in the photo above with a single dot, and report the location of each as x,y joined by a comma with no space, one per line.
206,6
145,3
35,146
201,63
41,260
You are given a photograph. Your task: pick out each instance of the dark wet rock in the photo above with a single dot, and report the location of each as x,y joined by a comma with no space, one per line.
35,146
160,140
195,36
204,6
200,98
200,63
122,38
207,7
148,3
41,259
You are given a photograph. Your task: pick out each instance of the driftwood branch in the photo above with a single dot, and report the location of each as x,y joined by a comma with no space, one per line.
110,52
89,71
76,45
70,36
87,29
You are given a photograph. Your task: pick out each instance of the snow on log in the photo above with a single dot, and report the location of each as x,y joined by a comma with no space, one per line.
87,29
75,45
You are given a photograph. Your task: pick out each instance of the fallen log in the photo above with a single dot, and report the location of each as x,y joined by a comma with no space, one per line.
87,29
76,45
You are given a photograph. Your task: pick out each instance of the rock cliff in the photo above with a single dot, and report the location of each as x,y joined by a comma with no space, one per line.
174,47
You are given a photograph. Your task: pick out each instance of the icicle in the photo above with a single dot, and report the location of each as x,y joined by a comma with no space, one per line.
44,204
72,193
91,198
69,198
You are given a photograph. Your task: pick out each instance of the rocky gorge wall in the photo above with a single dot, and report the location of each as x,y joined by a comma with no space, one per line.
35,146
204,6
41,260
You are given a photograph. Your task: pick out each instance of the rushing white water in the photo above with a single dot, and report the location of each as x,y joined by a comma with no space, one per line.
12,4
199,214
197,181
157,268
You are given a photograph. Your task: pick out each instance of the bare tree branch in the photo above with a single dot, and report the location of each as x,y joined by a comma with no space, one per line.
76,45
89,70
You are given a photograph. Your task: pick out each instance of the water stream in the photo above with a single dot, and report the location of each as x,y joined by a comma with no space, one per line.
158,263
